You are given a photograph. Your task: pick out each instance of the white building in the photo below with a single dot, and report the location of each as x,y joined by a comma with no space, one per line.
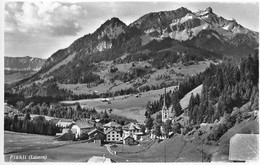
113,135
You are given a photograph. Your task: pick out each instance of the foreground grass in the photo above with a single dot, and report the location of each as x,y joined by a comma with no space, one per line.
18,142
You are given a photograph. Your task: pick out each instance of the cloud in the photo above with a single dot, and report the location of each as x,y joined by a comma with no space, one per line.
51,18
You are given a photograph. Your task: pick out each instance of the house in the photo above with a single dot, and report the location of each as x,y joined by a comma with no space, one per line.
113,135
95,135
100,159
244,148
131,129
129,140
82,128
64,123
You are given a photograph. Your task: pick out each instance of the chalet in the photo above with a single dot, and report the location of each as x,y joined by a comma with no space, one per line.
129,140
113,135
82,128
131,129
95,135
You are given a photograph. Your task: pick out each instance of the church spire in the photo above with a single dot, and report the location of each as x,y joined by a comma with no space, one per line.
164,104
165,111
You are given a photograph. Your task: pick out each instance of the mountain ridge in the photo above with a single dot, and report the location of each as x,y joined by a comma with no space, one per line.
26,63
183,34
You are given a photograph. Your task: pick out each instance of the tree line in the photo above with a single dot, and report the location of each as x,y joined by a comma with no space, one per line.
39,125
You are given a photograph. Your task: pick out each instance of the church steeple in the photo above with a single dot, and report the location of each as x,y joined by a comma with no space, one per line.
165,111
164,101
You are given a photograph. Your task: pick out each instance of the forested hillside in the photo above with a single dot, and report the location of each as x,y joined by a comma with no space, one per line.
225,86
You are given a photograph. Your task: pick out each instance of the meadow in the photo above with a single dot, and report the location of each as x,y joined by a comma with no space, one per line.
129,106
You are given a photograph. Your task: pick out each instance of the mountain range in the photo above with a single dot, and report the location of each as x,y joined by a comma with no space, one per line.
156,40
23,63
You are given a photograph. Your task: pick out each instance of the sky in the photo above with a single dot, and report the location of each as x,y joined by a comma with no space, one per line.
39,29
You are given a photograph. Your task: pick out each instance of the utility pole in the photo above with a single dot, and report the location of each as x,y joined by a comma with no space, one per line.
165,151
202,152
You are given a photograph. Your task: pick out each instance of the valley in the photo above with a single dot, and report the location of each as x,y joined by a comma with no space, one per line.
169,86
16,76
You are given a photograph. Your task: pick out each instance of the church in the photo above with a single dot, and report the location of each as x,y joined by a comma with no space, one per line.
167,113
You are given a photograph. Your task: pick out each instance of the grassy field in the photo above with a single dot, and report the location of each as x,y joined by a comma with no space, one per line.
17,76
170,150
128,105
16,144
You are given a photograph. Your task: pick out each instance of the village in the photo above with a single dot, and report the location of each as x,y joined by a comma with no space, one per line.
160,127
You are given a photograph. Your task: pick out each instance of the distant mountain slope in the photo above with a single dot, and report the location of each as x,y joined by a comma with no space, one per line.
23,63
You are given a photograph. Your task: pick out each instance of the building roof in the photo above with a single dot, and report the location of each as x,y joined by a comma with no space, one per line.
131,126
244,147
95,130
109,130
100,159
126,137
112,124
66,120
84,124
54,121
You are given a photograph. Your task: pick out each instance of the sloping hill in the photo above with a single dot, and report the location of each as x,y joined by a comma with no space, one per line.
185,100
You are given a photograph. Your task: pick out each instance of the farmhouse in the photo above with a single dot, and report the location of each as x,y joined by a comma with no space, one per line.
95,135
113,135
82,128
131,129
129,140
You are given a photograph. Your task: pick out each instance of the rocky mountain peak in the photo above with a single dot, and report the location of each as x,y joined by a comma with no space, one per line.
111,29
158,20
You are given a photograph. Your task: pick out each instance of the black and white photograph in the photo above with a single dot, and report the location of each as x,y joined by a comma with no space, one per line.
130,81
